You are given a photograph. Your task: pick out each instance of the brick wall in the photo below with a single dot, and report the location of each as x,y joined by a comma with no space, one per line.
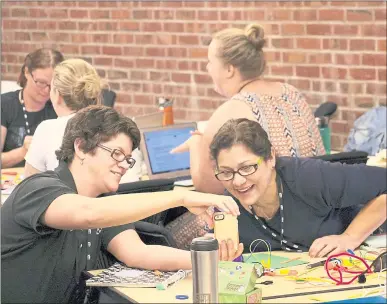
329,50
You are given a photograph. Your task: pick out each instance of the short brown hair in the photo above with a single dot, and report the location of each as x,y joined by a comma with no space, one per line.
94,125
243,49
40,59
241,131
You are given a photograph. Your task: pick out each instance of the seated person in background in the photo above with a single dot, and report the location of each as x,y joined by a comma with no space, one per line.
75,85
236,63
53,225
297,204
23,110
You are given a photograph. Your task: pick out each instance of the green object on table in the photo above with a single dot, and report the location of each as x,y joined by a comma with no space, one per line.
275,263
326,138
237,283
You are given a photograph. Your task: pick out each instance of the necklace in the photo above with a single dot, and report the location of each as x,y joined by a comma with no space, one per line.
285,244
24,112
250,81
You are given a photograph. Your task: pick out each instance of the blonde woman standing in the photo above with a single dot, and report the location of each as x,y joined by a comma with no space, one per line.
75,85
236,63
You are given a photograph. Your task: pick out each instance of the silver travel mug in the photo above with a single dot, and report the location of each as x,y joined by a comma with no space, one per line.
204,257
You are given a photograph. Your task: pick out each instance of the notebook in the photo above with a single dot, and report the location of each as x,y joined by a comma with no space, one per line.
156,144
120,275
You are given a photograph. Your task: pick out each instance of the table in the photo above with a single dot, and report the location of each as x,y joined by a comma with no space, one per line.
11,174
281,291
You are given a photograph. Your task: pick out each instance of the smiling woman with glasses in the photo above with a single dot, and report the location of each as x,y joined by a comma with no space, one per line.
297,204
23,110
63,221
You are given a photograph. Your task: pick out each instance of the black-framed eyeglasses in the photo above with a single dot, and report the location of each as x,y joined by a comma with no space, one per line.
228,175
40,84
118,155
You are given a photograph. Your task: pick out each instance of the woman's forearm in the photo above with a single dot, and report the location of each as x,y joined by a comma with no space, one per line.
13,157
368,220
201,168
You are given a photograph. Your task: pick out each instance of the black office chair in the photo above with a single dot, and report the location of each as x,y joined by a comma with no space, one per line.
108,98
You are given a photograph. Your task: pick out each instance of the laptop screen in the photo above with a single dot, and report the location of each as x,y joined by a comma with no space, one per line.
158,145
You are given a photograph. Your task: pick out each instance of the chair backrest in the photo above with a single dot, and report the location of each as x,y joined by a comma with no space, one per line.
152,234
108,98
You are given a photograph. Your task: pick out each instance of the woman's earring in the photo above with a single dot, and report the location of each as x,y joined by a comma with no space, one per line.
82,159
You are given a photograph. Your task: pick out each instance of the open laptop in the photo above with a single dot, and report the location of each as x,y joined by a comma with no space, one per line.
157,142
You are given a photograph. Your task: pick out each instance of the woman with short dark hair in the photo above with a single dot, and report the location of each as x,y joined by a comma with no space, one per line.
296,204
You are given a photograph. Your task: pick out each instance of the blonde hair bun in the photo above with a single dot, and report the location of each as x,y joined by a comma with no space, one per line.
88,86
255,34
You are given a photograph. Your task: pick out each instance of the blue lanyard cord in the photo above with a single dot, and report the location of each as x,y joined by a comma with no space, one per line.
285,244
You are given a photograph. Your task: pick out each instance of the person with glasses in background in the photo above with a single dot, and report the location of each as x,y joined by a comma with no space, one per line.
23,110
75,85
296,204
55,223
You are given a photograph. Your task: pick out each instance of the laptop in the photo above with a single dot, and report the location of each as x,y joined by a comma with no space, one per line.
157,142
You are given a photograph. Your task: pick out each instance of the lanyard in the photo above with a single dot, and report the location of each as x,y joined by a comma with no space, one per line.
285,244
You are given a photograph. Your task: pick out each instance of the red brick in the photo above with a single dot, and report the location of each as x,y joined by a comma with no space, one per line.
374,59
172,4
87,26
31,25
318,29
345,30
359,15
123,38
91,49
111,74
39,36
165,38
99,14
272,29
337,44
293,29
320,58
330,86
378,30
188,40
80,38
279,15
199,78
282,43
382,74
208,15
351,88
316,86
100,38
364,102
81,14
339,100
120,14
59,36
305,15
308,71
382,101
134,51
331,14
155,52
145,63
282,70
362,74
111,50
123,63
65,26
187,65
197,52
132,26
138,75
185,15
21,36
174,27
58,13
164,14
144,39
382,45
6,12
69,49
87,3
254,14
110,26
142,14
375,3
181,77
274,56
380,14
333,72
376,89
362,45
339,127
19,12
37,13
144,99
300,84
103,61
308,43
177,52
347,59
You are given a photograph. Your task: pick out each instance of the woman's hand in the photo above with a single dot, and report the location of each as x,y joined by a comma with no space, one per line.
186,146
198,203
227,250
332,244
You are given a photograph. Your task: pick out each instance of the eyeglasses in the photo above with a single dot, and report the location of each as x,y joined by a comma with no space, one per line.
242,171
118,155
40,84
